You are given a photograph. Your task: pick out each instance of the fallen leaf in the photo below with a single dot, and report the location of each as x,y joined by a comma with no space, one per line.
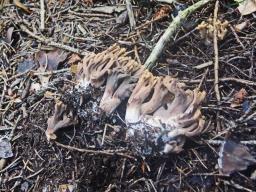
26,65
88,2
162,12
234,157
238,98
239,27
247,7
49,62
122,18
9,35
5,148
22,6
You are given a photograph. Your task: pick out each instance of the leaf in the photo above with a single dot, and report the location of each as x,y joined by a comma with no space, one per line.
234,157
247,7
238,98
5,148
88,2
122,18
49,62
162,12
26,65
9,35
22,6
239,27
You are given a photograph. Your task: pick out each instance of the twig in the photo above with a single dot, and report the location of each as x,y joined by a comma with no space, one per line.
203,79
35,174
94,151
10,165
219,142
3,93
167,1
169,33
52,72
42,15
236,36
130,14
216,53
242,81
237,186
51,43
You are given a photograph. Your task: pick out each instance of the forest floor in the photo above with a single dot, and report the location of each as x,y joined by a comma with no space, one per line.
74,160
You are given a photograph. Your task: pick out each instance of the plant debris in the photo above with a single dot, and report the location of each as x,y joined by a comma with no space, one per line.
5,148
234,157
239,98
101,147
247,7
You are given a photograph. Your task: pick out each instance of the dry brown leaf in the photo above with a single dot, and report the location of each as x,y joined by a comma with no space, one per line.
88,2
22,6
239,97
162,12
247,7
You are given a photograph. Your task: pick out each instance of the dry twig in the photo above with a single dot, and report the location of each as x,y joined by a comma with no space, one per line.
216,53
103,152
51,43
130,14
42,15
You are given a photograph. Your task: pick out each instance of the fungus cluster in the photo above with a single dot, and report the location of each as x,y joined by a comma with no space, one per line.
206,30
159,110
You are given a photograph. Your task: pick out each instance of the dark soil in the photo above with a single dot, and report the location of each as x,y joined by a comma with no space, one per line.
40,165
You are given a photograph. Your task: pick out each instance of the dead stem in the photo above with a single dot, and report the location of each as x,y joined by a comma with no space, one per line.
98,152
216,53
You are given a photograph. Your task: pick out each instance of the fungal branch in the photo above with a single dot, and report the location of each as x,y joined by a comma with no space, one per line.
154,102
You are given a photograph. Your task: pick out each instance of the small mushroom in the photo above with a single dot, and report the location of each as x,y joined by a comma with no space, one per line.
60,119
139,95
173,110
94,68
120,84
